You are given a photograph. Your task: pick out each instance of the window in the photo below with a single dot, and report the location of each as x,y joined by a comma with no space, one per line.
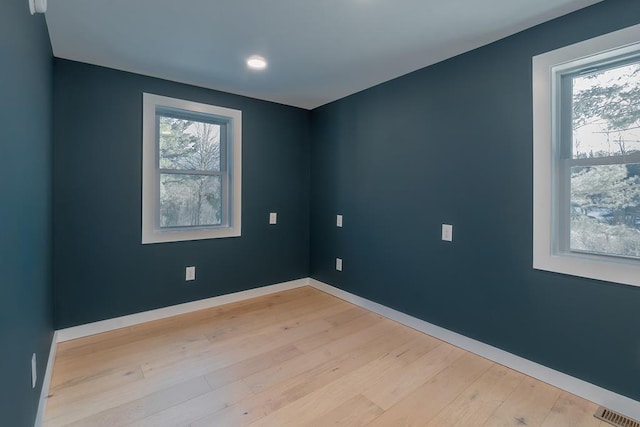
587,158
191,170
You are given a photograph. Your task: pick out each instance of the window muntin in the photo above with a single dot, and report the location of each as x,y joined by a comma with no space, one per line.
572,185
191,170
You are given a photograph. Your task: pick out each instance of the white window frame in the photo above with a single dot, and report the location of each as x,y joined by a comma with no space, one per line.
231,227
547,71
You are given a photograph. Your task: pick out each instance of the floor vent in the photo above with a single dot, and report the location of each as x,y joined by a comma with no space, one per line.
614,418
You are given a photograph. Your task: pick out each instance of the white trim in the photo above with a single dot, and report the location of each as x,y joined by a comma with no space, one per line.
174,310
599,395
546,68
150,234
46,382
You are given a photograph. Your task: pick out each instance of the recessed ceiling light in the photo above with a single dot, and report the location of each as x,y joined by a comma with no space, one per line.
257,62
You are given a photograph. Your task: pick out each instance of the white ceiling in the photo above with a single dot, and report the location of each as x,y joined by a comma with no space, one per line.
318,50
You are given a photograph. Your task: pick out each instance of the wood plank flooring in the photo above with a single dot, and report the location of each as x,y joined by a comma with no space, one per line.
295,358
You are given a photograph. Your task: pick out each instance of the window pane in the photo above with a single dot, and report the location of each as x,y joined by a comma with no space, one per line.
190,200
605,209
606,112
188,144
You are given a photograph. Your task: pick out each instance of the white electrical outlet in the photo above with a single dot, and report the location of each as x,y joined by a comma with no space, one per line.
34,371
447,232
190,274
339,264
339,220
273,218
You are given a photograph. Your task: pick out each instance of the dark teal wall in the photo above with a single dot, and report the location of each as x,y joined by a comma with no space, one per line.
101,270
452,143
26,324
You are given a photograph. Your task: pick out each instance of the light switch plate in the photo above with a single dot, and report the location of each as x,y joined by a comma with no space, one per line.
339,220
447,232
273,218
190,274
34,371
339,264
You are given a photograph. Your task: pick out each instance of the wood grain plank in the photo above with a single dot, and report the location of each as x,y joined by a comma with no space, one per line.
307,361
297,387
139,409
528,405
572,411
476,404
428,400
357,411
247,367
133,334
395,385
348,385
193,409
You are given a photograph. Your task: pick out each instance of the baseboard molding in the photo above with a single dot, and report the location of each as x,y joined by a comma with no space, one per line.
46,381
598,395
174,310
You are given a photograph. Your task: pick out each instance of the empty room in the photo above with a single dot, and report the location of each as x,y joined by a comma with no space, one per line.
316,213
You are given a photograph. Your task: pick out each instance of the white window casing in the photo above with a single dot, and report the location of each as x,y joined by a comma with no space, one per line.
230,174
548,68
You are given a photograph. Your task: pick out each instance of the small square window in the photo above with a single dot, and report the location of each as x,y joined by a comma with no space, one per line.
191,170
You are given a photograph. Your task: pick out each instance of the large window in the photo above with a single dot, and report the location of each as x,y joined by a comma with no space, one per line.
587,158
191,170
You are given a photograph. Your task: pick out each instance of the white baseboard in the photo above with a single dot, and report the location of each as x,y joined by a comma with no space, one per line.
599,395
174,310
46,381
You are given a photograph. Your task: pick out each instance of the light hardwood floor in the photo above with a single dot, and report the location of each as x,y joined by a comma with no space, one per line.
295,358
